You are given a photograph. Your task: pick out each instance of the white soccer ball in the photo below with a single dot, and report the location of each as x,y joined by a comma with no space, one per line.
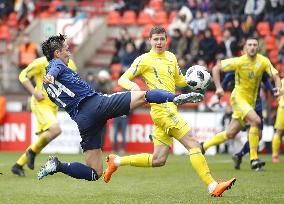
197,78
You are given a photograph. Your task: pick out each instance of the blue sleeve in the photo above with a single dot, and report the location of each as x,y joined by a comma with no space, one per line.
55,70
229,76
267,83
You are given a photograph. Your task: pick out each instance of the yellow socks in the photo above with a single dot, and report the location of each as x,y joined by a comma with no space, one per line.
138,160
41,142
23,159
253,142
200,165
36,147
276,142
218,139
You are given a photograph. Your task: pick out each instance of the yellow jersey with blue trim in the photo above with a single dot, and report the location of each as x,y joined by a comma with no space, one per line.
159,71
36,70
248,74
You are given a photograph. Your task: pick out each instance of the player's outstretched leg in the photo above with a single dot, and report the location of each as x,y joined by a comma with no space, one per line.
188,98
162,96
18,170
50,167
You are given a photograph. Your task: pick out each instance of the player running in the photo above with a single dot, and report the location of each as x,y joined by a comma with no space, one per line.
44,110
249,69
160,70
237,158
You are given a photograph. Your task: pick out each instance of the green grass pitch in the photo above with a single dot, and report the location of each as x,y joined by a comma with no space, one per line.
174,183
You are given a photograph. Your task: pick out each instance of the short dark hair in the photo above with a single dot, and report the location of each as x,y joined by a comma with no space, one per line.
157,30
51,44
251,38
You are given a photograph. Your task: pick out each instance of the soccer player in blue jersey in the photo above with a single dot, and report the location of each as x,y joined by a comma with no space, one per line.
90,109
237,158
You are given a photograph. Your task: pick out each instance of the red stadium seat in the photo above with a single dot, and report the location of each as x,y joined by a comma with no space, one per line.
157,5
263,28
128,18
277,27
172,16
44,14
113,18
270,43
12,20
160,18
273,56
146,30
144,18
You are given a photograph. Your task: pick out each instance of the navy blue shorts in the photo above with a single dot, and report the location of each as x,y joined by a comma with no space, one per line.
93,114
259,113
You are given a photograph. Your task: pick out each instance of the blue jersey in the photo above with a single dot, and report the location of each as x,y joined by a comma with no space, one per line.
265,79
68,89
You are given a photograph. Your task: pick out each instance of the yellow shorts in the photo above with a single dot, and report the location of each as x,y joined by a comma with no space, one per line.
46,115
279,123
240,108
168,127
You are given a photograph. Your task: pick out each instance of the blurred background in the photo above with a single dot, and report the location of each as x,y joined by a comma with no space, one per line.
105,36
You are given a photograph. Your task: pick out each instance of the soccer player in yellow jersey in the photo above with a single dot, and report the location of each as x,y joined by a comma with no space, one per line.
249,69
279,126
160,70
43,108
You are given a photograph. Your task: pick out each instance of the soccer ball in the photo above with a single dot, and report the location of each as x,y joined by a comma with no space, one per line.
197,78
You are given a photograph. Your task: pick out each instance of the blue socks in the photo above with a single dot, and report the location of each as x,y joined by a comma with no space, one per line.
244,150
78,171
159,96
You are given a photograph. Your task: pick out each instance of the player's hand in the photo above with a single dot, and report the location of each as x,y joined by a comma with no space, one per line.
38,95
277,91
48,79
135,88
219,92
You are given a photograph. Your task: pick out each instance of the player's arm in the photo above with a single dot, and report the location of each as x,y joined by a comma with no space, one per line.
216,72
265,79
179,78
228,77
52,74
25,76
125,80
278,91
225,66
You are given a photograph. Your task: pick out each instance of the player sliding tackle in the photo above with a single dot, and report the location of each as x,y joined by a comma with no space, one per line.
159,69
89,109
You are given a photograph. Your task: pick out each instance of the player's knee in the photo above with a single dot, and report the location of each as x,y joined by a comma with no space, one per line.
230,134
56,130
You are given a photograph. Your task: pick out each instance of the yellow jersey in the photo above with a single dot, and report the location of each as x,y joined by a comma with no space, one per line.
248,74
159,71
36,69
